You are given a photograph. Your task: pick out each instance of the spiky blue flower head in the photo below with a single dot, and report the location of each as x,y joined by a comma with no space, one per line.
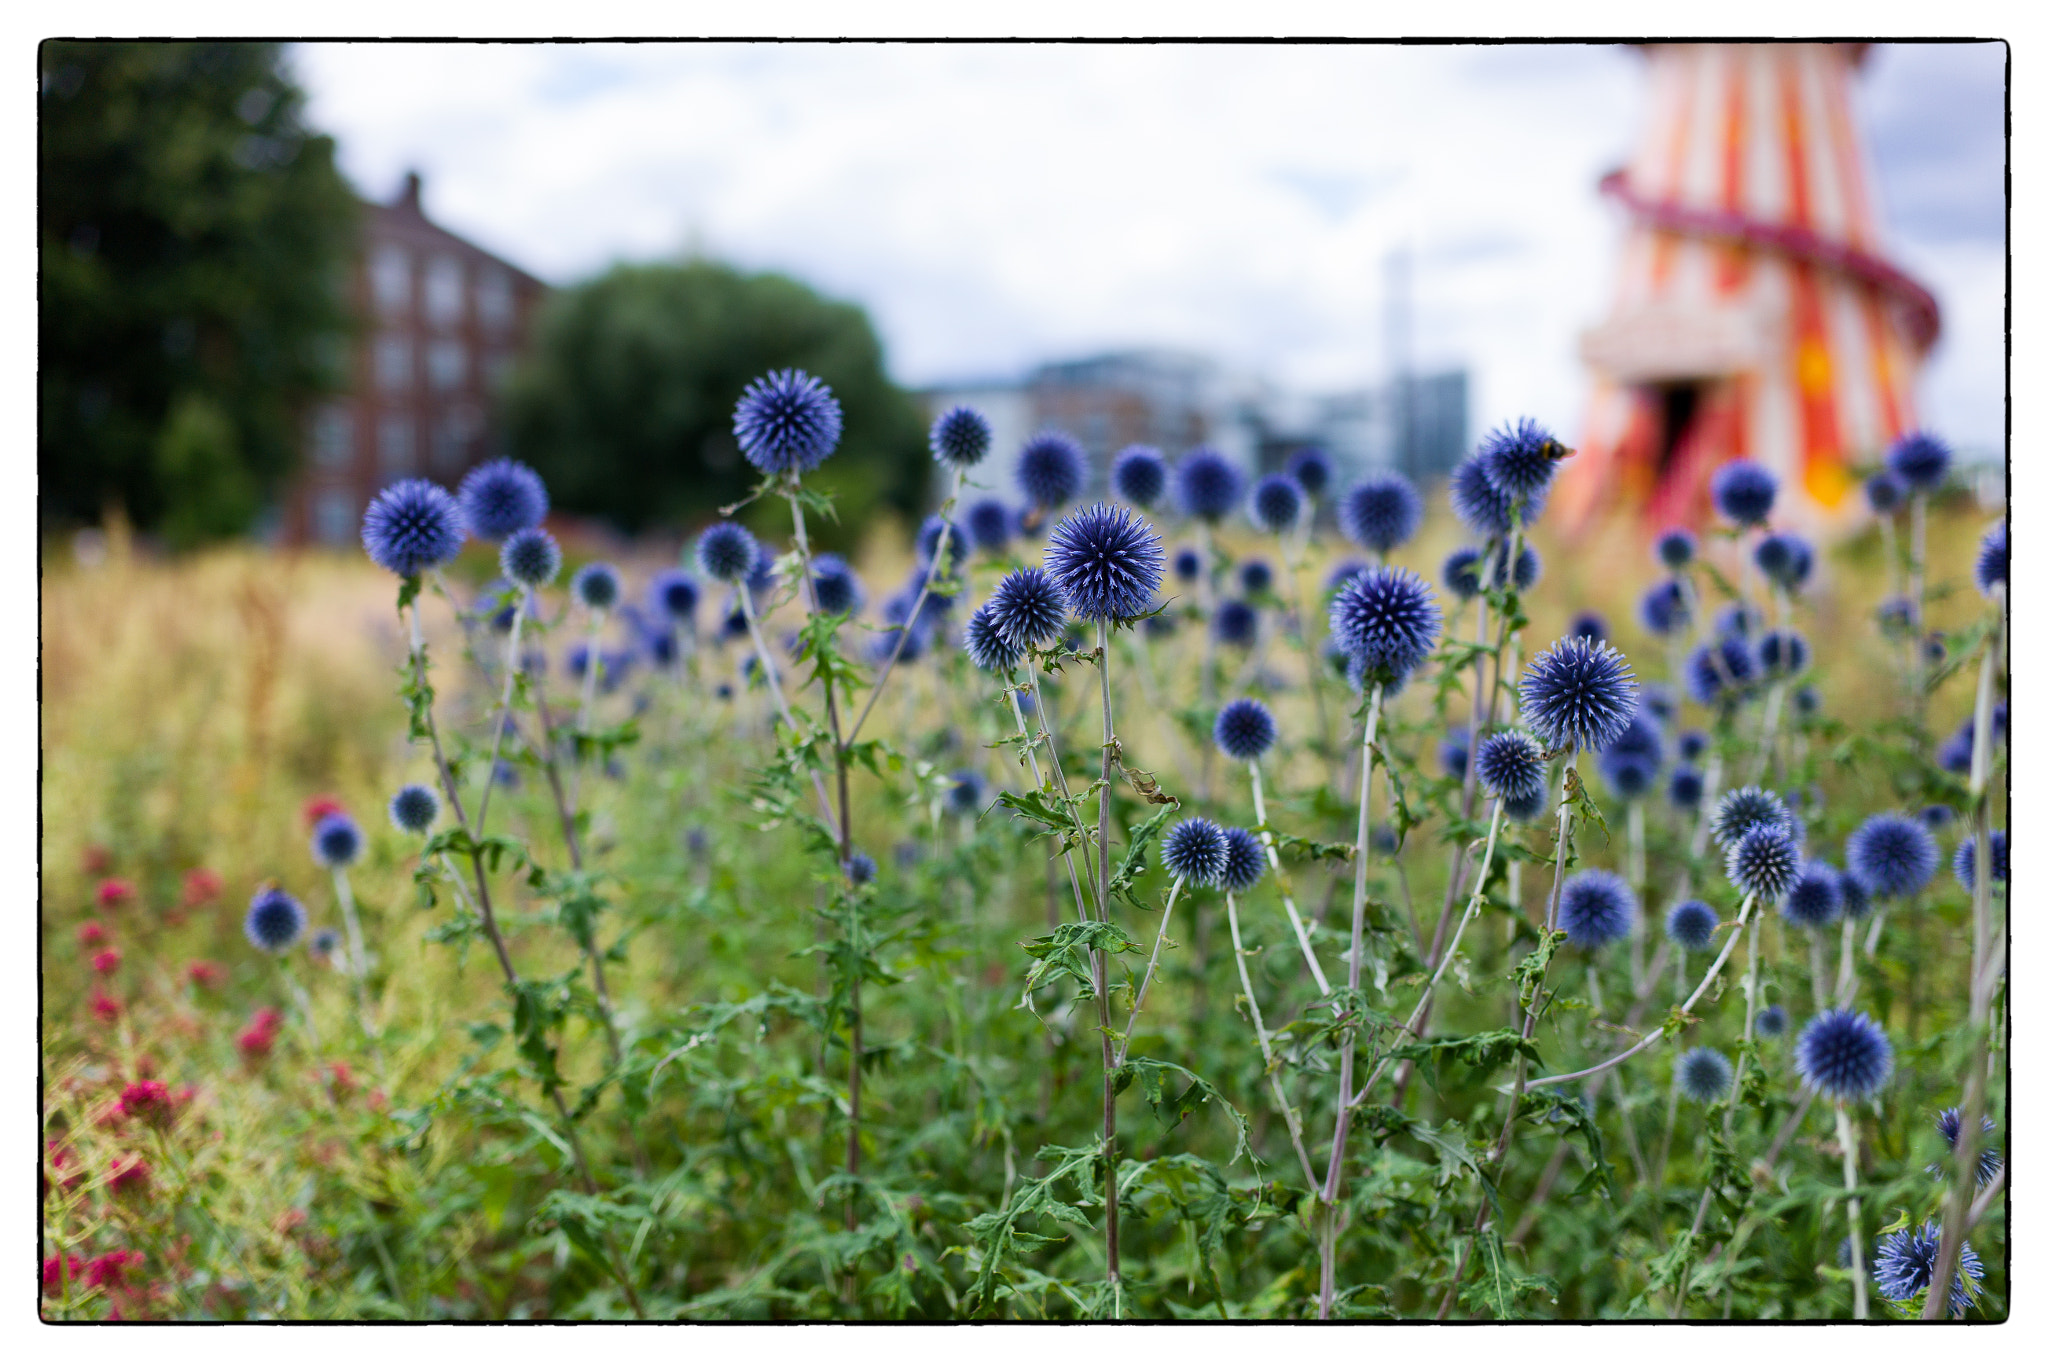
324,943
411,526
1657,703
414,809
1719,670
1739,621
787,422
1937,817
1704,1075
1640,738
1588,625
530,557
1311,468
1139,475
985,644
1778,557
1195,850
1883,492
275,920
1745,808
1520,457
1244,861
1159,626
1578,694
928,541
1245,729
1692,745
1027,608
1345,570
1387,619
1187,564
1255,575
1528,567
1918,460
1511,766
1276,503
1893,855
859,868
1783,653
961,437
1687,787
727,552
1632,774
674,593
1380,511
1905,1263
1896,616
1461,573
1764,862
1676,548
882,646
1843,1056
1815,899
937,604
1206,485
989,524
1455,752
1744,491
1484,508
1691,925
1050,469
1771,1021
502,496
659,643
1236,623
1106,561
838,587
965,795
1949,1122
337,842
497,601
576,660
1596,907
1965,863
595,586
1856,897
1992,559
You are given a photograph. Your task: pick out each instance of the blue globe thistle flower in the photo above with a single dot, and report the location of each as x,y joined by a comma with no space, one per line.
412,526
928,542
1815,899
1139,475
1578,694
1704,1075
1512,767
1484,508
1884,493
1893,855
1772,1021
337,842
414,809
989,524
1843,1056
1691,925
1160,626
837,586
1206,485
727,553
1745,808
1856,897
734,620
498,601
530,557
1454,753
502,496
1596,907
595,586
787,422
1050,469
1934,648
1311,468
1783,653
1781,556
275,920
674,593
1896,616
1461,573
1255,575
1187,564
1388,620
659,644
1106,561
1676,548
1244,861
1630,774
1027,608
1806,701
966,793
324,943
1528,567
1276,503
986,646
1764,862
1687,786
1744,491
1739,621
1692,745
1937,817
576,659
1719,670
1520,458
1236,623
1588,625
1380,512
859,868
1918,460
1196,851
1905,1263
1949,1122
1655,700
1641,739
614,665
1528,809
961,437
1345,570
882,646
1245,729
1992,559
1965,863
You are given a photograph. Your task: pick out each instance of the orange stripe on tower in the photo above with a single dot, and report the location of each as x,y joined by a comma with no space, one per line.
1822,471
1859,221
1664,245
1733,271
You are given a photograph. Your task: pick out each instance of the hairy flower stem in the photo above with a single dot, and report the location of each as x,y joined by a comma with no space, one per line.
1151,969
1205,597
565,812
1059,776
1845,1132
1308,952
774,681
1038,778
916,610
839,755
1109,753
358,955
1251,999
592,662
483,804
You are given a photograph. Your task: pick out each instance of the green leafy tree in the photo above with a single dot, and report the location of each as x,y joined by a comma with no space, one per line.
625,404
194,245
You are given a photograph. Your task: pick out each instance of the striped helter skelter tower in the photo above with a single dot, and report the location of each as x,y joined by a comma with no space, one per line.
1755,315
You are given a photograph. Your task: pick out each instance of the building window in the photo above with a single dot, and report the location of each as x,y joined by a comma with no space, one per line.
453,435
391,280
334,517
394,363
395,458
444,291
494,299
334,436
447,365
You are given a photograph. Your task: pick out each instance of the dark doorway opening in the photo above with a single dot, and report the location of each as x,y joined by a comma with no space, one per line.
1677,405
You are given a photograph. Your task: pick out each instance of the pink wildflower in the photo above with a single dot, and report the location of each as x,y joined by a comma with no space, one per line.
107,962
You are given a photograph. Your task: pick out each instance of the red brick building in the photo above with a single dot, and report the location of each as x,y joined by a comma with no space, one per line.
442,322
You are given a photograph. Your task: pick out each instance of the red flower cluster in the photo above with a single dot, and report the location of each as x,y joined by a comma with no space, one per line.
114,892
205,974
96,859
60,1269
261,1032
91,934
202,886
131,1174
105,1006
340,1079
320,806
61,1158
149,1101
111,1270
106,962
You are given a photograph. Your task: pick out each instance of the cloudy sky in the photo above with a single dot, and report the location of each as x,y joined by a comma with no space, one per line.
996,206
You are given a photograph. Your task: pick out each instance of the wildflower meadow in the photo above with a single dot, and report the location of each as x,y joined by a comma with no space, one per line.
1168,893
